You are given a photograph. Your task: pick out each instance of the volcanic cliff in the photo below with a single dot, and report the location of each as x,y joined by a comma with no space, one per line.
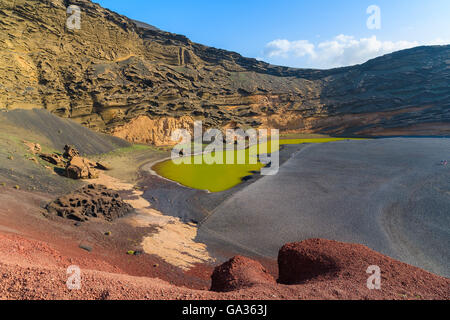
137,82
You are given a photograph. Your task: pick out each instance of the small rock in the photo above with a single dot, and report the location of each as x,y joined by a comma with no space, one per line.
33,147
85,247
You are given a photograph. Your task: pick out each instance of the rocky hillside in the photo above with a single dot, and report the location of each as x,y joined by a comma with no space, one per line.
138,82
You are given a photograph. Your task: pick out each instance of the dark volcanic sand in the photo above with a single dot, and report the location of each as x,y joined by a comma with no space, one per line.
58,132
389,194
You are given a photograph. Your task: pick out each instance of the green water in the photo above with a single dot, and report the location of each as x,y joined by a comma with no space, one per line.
199,174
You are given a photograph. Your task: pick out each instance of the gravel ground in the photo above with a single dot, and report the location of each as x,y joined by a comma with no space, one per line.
392,195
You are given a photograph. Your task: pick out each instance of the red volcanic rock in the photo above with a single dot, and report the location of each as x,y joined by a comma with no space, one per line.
238,273
345,267
300,261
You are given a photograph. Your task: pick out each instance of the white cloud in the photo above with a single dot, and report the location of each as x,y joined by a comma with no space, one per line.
285,48
343,50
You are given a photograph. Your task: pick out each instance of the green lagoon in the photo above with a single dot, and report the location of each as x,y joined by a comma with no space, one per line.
200,174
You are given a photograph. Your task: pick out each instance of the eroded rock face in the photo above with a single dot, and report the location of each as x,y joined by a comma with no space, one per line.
92,201
239,273
159,131
114,70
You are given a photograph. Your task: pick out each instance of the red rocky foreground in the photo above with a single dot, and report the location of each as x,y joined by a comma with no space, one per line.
341,268
312,269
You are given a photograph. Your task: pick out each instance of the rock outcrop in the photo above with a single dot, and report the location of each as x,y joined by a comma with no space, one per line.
92,201
114,71
239,273
75,167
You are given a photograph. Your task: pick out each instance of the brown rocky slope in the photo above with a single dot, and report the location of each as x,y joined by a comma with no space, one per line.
115,70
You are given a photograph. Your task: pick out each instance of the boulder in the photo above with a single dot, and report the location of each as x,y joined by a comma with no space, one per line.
80,168
238,273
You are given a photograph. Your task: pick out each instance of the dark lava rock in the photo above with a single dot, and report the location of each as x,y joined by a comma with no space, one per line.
92,201
237,273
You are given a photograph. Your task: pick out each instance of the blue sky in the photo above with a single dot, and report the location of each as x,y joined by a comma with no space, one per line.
298,33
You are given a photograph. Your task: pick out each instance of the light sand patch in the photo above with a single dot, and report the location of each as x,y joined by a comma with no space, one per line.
174,242
114,184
